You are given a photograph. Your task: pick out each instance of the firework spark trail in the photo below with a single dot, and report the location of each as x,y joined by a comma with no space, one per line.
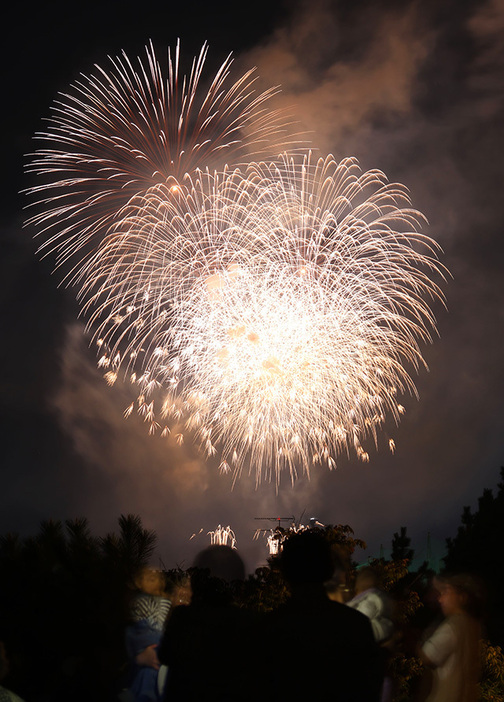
119,132
223,536
268,310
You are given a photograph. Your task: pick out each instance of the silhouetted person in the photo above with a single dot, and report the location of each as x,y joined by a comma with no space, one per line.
208,645
5,695
452,650
320,649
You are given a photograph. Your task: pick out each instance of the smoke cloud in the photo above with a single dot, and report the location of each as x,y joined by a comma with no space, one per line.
415,89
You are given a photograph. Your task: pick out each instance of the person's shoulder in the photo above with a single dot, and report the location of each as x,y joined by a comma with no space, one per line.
351,622
8,695
463,622
349,614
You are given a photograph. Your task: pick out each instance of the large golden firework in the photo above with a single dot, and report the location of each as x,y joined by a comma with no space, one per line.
269,311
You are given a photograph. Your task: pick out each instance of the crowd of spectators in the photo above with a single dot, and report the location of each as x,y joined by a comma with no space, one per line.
190,636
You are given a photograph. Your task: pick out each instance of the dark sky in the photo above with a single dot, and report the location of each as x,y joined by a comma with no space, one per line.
415,89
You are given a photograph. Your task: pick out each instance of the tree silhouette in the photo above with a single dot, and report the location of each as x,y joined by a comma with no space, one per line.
63,612
401,550
477,549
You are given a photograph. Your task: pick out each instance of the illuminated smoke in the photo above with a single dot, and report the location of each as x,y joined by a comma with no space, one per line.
270,312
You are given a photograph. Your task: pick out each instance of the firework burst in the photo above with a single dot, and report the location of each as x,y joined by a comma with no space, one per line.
118,132
269,311
277,309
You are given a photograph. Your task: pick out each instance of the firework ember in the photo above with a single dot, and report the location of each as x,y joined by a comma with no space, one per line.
223,536
268,311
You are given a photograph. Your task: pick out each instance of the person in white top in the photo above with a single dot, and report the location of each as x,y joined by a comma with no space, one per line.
374,603
452,651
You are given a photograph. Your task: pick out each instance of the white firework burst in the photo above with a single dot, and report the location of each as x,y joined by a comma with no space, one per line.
120,131
278,308
272,311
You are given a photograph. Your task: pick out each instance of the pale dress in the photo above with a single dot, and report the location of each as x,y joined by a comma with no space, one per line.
453,650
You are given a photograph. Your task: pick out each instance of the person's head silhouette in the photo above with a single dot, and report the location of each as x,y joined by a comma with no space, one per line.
222,562
215,569
306,558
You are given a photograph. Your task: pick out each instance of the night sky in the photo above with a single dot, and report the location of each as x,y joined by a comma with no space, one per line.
415,89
